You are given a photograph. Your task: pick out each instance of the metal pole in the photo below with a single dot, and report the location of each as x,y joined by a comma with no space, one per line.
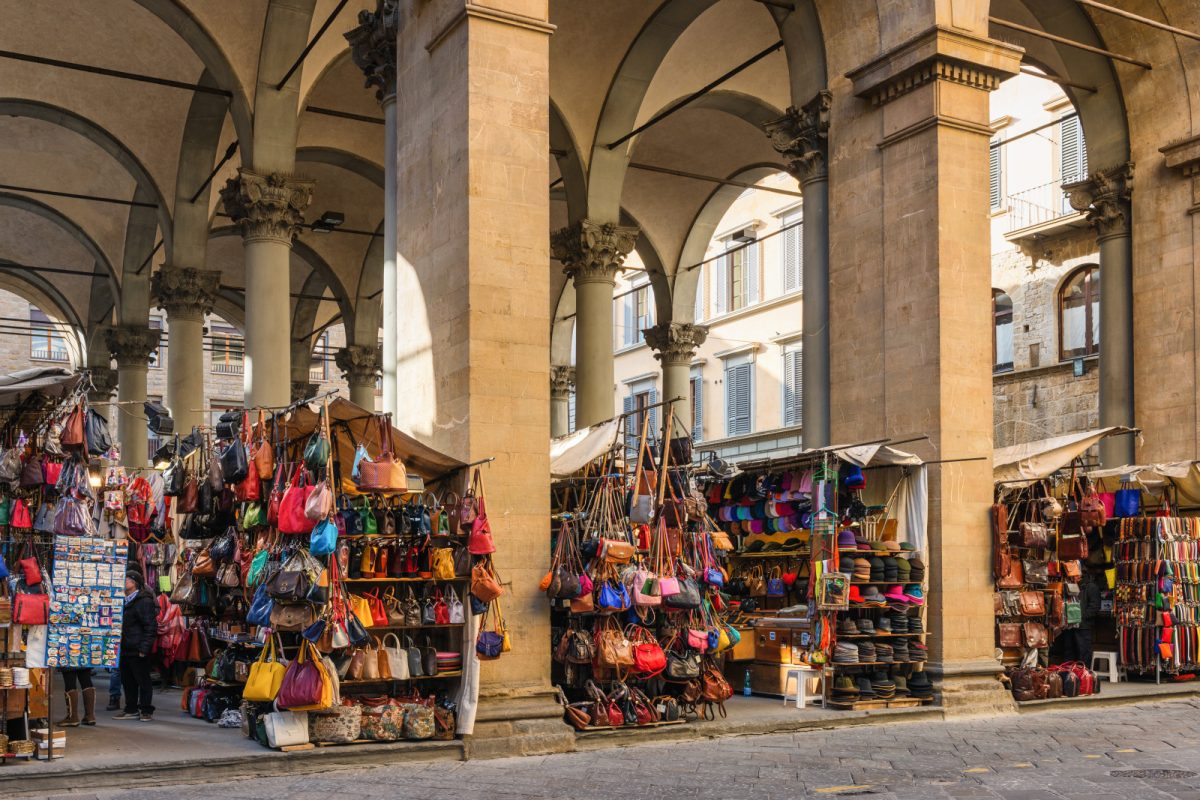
228,155
113,73
1059,81
329,112
678,173
1162,26
312,43
1003,23
94,198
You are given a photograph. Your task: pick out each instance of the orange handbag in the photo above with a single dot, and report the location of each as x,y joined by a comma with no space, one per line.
387,473
262,454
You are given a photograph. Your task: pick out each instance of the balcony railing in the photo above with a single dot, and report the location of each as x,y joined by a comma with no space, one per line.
1036,205
39,354
227,368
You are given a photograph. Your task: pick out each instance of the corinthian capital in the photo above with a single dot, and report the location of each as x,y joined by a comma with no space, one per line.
359,363
675,342
802,137
562,379
267,207
185,293
104,384
131,345
591,252
1104,198
373,47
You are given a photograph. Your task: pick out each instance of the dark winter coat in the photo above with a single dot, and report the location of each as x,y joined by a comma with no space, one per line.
139,627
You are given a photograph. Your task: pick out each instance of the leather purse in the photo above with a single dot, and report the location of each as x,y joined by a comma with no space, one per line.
484,584
1036,571
387,473
1034,634
261,453
1012,576
1033,604
480,543
1010,634
1034,534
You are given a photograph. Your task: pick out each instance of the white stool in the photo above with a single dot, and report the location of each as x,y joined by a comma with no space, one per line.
1112,671
801,676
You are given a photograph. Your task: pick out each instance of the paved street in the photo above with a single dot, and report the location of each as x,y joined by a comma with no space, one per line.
1095,754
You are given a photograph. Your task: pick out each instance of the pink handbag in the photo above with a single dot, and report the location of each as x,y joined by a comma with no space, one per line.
480,541
319,503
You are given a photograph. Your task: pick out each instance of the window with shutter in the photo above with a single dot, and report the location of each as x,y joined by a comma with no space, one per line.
697,408
792,243
571,412
994,175
739,391
698,313
1073,155
793,386
655,428
629,331
750,255
720,285
633,426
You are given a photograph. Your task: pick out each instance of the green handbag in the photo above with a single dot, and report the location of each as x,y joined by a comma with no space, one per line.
316,452
5,510
252,516
369,525
258,565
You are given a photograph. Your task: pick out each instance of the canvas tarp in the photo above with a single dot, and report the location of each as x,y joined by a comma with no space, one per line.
1036,460
571,453
50,381
353,424
1183,475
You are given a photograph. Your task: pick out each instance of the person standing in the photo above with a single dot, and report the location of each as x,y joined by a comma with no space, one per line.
81,696
1090,609
139,627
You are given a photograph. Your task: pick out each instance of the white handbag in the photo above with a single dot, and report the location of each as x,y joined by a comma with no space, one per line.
286,728
455,607
397,657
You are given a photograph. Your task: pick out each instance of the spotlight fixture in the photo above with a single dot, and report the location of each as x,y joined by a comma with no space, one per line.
328,221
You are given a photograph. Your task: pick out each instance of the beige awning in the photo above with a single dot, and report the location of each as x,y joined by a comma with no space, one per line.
571,453
1183,475
1035,460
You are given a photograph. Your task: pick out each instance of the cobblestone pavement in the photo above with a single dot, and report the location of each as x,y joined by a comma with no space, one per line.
1101,754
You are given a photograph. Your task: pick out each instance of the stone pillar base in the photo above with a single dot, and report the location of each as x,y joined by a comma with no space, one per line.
972,687
531,725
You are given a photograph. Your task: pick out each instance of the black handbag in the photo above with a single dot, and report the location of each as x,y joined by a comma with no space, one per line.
229,425
356,632
687,598
682,666
224,547
462,561
95,431
291,582
234,464
174,477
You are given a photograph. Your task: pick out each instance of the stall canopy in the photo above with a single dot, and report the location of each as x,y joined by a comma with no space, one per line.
1036,460
352,424
571,453
1183,475
50,382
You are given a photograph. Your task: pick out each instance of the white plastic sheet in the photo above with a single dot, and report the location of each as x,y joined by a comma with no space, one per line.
1036,460
571,453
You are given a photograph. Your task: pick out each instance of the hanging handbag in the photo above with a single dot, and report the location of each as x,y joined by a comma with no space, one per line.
387,473
1127,501
261,453
1033,604
292,518
484,584
30,609
234,464
304,683
1034,634
32,475
480,541
316,452
323,540
488,644
1010,634
320,502
266,676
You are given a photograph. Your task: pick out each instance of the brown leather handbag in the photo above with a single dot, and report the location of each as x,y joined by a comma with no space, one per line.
1034,634
72,429
1034,534
1010,634
386,473
1011,575
484,585
203,566
1033,604
261,453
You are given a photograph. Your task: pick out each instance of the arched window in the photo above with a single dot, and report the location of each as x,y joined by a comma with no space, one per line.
1079,314
1002,331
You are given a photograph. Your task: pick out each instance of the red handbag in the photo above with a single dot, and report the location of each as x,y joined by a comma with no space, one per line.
276,499
20,515
441,611
302,685
51,470
648,656
480,543
31,609
250,487
292,518
30,570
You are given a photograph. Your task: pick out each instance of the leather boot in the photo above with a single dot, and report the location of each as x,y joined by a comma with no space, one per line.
72,718
89,707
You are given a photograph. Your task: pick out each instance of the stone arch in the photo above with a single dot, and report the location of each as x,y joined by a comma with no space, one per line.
700,234
197,154
276,113
1102,113
45,295
76,123
351,162
305,316
570,166
69,227
803,37
231,307
178,18
368,300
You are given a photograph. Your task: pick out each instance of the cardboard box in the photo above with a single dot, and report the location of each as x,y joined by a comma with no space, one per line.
41,738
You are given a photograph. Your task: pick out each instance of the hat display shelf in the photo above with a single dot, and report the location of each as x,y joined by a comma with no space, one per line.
878,654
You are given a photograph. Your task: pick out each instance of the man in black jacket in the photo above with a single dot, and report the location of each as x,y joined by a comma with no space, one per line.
139,628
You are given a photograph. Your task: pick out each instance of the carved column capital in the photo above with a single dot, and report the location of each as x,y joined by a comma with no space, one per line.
267,207
104,384
562,381
802,137
373,47
675,342
185,293
1104,197
592,252
131,345
359,364
302,390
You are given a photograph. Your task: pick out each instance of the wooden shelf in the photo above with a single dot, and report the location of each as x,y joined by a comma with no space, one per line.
877,635
836,664
406,580
369,681
416,627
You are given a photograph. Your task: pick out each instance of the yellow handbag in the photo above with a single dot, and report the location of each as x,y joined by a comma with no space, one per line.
506,642
266,675
361,608
442,561
723,642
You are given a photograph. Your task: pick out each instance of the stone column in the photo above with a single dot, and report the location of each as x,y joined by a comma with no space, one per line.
917,338
592,254
131,347
360,367
1105,197
675,345
373,48
801,137
562,380
104,384
269,210
478,258
187,295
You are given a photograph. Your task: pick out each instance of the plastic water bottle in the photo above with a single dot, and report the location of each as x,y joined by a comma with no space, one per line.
746,685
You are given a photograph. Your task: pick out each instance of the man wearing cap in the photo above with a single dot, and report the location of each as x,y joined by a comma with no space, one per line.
139,627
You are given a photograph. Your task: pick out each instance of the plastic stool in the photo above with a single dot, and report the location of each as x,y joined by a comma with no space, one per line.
801,675
1112,671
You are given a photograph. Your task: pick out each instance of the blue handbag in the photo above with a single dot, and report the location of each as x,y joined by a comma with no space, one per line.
260,607
1127,502
489,644
359,454
323,539
613,596
775,585
714,577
